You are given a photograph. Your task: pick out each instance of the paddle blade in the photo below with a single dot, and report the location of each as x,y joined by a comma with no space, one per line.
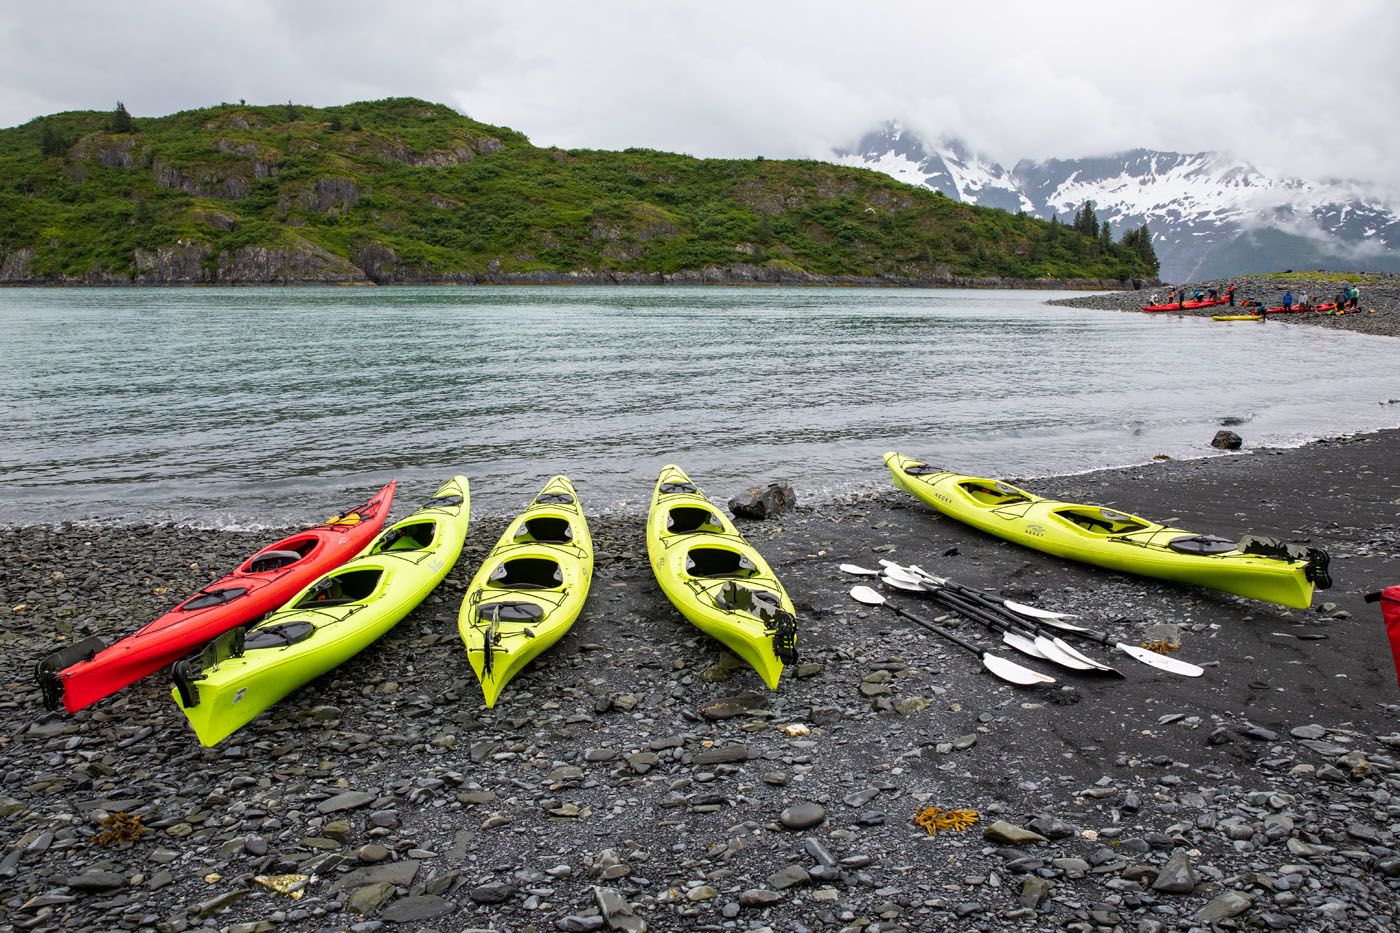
1034,613
1064,626
1160,661
859,571
864,594
1022,644
1054,655
1078,655
1013,673
901,584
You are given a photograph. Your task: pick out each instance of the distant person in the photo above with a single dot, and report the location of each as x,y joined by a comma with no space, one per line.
1196,295
1211,294
1342,297
1304,300
1287,301
1230,293
1355,297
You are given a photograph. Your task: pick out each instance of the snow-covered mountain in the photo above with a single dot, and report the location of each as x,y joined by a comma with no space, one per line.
1210,215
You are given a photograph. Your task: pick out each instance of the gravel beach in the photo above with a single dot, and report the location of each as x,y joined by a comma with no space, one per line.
637,777
1379,290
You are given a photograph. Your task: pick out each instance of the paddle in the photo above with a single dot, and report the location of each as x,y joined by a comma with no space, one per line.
1031,611
1009,671
1012,639
1016,632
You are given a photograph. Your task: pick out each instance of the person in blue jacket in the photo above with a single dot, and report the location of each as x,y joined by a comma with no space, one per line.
1288,301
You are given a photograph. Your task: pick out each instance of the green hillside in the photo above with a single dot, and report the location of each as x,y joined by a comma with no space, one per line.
405,190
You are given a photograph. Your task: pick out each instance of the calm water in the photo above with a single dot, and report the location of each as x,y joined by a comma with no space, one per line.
248,406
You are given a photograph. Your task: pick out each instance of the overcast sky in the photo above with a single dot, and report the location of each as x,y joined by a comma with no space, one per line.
1300,86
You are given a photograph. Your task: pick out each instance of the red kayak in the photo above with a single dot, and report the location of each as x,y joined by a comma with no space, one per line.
83,673
1186,305
1299,309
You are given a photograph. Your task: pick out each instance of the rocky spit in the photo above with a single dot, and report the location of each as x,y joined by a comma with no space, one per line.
638,777
1381,291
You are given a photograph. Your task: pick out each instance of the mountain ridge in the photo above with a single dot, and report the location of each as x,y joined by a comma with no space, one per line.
1210,215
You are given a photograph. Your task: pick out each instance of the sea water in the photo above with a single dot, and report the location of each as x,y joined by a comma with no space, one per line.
253,406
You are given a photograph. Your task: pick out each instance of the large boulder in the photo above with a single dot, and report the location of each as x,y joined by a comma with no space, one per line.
763,502
1227,440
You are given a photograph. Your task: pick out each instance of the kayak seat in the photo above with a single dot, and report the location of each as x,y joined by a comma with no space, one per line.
686,519
1101,521
992,492
527,573
506,611
669,488
412,537
272,560
718,563
545,530
554,498
1201,544
340,589
210,598
278,636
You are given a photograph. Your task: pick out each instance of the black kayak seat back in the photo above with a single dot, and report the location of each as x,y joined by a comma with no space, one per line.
1100,521
278,635
339,589
410,537
684,519
921,469
209,598
527,573
508,611
993,492
544,529
554,498
718,563
1204,545
272,560
668,488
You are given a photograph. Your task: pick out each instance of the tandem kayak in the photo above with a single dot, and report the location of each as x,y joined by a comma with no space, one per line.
244,672
1257,568
83,673
1186,305
1299,309
718,580
529,590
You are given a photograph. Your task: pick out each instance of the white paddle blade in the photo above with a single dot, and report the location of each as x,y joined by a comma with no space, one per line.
864,594
1046,614
1011,672
1064,626
1022,644
1075,653
899,573
1160,661
858,570
1054,655
901,584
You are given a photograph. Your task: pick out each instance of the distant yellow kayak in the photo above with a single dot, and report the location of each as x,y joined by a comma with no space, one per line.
1259,568
717,579
1237,317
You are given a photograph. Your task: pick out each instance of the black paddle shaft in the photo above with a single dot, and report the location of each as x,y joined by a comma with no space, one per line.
965,645
975,611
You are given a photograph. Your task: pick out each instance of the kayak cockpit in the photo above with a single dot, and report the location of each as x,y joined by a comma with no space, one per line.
527,573
718,563
544,529
1100,521
414,536
688,519
339,589
992,493
280,555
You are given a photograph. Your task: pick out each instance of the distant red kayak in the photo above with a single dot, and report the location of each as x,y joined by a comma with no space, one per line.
81,674
1186,306
1299,309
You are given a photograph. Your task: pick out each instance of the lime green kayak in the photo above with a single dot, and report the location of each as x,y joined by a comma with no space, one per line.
247,670
1257,568
529,590
717,579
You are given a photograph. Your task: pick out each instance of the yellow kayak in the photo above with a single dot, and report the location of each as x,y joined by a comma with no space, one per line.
1258,568
717,579
529,590
1237,317
247,670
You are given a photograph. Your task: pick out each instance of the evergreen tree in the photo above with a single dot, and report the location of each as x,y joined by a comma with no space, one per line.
1086,221
121,120
1143,245
1105,236
334,124
51,143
